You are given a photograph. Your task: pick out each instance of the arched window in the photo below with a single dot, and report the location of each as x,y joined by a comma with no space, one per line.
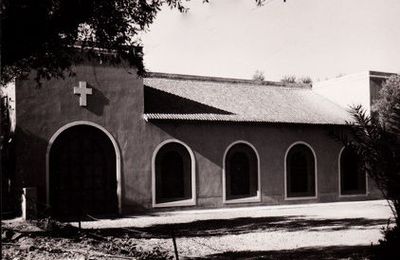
352,179
241,172
300,171
173,173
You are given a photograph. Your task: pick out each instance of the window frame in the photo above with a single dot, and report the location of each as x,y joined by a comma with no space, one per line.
315,173
180,203
256,198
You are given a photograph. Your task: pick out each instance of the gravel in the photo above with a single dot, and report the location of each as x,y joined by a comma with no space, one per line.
203,233
342,230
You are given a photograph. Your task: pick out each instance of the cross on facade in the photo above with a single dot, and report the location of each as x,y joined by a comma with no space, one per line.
83,91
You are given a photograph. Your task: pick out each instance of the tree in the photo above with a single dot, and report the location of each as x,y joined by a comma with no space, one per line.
376,139
45,35
387,106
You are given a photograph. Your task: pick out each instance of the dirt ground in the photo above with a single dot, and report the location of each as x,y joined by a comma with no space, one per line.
49,240
342,230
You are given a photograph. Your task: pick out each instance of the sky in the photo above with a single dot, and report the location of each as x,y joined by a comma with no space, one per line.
317,38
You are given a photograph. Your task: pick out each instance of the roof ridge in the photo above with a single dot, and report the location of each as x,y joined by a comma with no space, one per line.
224,80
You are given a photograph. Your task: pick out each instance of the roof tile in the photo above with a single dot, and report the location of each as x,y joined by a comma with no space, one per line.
239,102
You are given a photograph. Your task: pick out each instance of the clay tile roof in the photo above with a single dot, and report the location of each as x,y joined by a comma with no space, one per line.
178,97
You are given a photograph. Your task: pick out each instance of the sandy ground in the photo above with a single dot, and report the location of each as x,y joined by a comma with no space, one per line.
203,233
343,230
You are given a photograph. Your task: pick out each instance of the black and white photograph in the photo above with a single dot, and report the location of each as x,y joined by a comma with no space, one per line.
200,129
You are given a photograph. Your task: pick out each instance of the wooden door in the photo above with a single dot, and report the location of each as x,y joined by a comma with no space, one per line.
83,173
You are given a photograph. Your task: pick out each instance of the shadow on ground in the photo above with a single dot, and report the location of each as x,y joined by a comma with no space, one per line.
236,226
221,227
313,253
117,238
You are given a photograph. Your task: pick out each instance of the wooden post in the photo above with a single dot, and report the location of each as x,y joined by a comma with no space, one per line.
175,248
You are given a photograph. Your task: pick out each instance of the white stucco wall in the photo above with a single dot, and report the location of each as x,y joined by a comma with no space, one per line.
346,91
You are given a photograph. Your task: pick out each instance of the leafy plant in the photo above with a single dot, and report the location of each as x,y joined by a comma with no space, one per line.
379,151
289,79
376,139
305,80
388,245
258,76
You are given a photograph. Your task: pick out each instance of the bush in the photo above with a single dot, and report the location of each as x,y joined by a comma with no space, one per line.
388,247
289,79
258,76
305,80
376,138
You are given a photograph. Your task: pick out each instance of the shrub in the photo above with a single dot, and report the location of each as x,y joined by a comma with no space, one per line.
376,138
258,76
305,80
289,79
388,246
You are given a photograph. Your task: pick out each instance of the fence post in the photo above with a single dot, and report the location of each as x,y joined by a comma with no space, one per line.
175,247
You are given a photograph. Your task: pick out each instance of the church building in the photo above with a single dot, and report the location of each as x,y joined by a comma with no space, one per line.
109,142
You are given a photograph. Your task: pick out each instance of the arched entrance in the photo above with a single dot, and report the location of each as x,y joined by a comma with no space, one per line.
82,177
352,180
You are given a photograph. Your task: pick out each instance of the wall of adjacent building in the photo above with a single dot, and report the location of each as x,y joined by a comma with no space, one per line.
376,81
346,91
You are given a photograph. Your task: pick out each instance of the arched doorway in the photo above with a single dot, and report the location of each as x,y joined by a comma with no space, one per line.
82,173
352,179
